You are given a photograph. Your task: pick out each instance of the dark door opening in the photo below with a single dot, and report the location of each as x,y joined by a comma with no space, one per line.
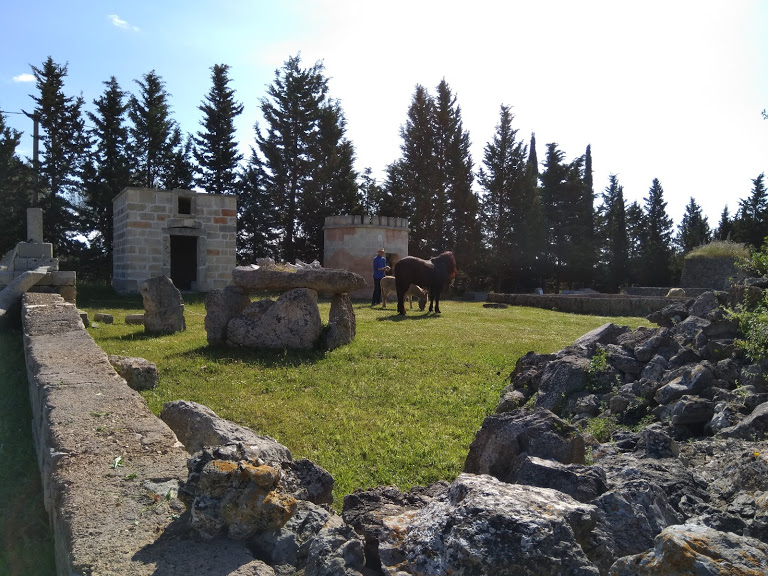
183,261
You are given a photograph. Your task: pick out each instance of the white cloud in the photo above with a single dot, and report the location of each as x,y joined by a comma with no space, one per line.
120,23
24,78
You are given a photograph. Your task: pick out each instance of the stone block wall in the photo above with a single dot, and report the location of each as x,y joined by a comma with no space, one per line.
712,273
351,242
173,232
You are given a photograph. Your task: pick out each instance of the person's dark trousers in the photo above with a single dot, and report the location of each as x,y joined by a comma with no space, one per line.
376,292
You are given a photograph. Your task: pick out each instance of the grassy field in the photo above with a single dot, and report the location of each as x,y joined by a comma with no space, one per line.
400,405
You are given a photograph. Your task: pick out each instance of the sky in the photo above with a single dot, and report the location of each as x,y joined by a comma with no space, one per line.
670,89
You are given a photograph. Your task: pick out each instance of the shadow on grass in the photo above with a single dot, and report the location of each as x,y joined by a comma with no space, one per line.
262,357
408,317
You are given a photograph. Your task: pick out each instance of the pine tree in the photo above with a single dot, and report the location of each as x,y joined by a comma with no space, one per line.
508,199
694,228
178,169
656,248
215,146
457,207
108,171
636,224
614,237
751,225
16,186
333,187
258,223
557,212
63,144
725,226
304,153
412,180
152,130
374,199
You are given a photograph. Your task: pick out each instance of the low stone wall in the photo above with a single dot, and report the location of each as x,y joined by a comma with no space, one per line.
711,273
110,468
660,292
593,304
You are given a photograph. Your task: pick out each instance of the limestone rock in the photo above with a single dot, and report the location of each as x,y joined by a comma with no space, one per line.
323,280
690,549
754,427
505,436
163,306
293,321
139,373
483,526
104,318
341,322
560,378
197,426
582,483
336,551
135,319
220,307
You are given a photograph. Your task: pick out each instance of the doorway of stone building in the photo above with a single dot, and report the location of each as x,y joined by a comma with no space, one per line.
184,262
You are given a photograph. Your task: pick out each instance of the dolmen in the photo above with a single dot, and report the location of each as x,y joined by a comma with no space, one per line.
292,320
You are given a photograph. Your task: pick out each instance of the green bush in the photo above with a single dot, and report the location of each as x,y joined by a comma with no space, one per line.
755,264
754,325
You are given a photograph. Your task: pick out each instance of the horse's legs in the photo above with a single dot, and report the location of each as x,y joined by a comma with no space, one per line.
437,302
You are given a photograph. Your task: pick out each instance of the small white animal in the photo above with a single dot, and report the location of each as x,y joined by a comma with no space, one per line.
676,292
388,287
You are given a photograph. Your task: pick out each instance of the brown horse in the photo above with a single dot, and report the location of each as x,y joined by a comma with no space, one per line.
434,274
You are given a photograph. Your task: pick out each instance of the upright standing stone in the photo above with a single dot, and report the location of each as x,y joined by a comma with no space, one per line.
35,225
163,306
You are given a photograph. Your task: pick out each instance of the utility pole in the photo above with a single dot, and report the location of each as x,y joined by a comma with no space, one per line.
35,153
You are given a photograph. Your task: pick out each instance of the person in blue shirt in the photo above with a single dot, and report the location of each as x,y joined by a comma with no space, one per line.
380,270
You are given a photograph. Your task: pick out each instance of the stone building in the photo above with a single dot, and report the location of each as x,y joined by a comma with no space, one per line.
187,236
351,243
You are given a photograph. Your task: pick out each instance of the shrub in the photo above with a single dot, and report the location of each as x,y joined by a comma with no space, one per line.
755,264
754,325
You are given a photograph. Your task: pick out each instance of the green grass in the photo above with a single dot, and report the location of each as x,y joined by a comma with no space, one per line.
27,541
399,405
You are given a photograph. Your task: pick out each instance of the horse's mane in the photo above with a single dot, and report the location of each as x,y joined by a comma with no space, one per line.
447,261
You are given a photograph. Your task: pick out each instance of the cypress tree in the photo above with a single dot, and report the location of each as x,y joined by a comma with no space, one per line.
508,199
153,131
614,236
694,228
108,171
215,149
63,144
656,238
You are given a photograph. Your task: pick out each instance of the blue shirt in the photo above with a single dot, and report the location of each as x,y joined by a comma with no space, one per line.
379,262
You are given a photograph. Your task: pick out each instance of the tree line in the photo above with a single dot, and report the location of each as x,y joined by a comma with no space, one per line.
514,223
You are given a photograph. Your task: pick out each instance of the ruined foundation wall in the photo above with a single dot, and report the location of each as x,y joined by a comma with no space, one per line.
110,468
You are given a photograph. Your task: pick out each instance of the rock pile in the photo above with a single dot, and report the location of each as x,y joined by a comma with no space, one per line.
293,320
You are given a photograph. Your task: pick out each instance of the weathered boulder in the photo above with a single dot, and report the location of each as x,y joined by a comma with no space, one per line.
608,333
691,549
238,499
163,306
139,373
323,280
135,319
367,510
221,306
753,427
704,305
341,322
197,426
582,483
505,436
484,526
691,381
292,321
561,378
102,317
336,551
670,315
